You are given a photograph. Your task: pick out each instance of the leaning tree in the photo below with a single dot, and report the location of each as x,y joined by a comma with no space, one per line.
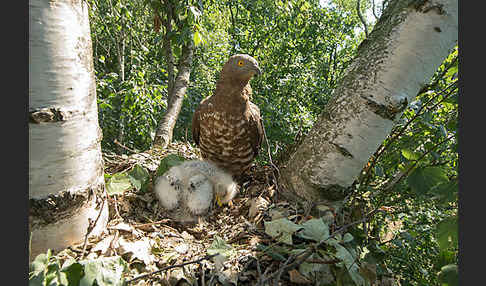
407,45
66,184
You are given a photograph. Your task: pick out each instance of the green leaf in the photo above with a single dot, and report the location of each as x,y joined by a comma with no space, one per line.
197,38
138,176
39,264
281,229
348,237
410,155
73,270
168,162
423,179
315,229
105,271
118,184
220,246
447,232
449,275
350,262
447,190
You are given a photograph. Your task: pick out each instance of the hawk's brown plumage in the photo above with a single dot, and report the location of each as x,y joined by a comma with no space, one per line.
227,126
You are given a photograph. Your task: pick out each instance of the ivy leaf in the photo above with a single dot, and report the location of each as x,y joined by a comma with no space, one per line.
118,184
423,179
281,229
138,176
447,230
168,162
449,275
315,229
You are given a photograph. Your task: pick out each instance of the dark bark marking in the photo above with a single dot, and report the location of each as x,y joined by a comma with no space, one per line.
343,151
386,111
52,114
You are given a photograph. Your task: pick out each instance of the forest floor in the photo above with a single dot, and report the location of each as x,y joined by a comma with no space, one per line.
140,231
162,251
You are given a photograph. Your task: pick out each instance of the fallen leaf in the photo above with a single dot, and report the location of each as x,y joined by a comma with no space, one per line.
281,229
103,245
256,206
140,249
297,278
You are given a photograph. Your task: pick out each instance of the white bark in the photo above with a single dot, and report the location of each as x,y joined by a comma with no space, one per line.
405,48
64,135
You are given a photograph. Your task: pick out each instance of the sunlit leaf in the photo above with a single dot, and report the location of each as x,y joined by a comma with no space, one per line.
138,176
281,229
118,184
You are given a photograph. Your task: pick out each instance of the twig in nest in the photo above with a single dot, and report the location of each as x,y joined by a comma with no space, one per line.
207,257
152,223
129,149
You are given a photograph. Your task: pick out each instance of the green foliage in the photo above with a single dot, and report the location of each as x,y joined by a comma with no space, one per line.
119,183
139,177
423,148
303,49
302,62
46,269
168,162
314,235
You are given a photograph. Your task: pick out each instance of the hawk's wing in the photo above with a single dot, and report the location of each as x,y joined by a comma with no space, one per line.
256,128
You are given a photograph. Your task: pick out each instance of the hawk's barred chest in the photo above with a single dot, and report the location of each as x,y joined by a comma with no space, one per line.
225,135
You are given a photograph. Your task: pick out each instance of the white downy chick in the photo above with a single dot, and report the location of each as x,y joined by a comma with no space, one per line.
225,189
198,194
168,188
185,192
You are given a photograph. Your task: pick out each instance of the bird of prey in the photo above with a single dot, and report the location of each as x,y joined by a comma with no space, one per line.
227,126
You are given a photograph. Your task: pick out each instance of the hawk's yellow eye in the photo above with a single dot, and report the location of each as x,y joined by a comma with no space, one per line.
241,63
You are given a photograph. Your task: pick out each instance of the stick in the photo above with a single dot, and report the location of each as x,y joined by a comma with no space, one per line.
207,257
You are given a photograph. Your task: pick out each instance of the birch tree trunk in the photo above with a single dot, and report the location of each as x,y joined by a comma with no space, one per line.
165,129
405,48
66,185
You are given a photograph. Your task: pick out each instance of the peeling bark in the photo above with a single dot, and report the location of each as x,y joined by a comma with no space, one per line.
64,135
392,65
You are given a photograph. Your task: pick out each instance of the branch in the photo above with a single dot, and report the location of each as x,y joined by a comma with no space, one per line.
358,9
207,257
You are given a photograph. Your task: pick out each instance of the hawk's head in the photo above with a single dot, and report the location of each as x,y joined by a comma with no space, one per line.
240,67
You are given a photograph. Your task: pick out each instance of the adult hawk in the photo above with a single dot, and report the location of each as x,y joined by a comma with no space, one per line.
227,126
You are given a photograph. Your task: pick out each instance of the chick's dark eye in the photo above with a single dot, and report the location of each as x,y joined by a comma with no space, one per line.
240,63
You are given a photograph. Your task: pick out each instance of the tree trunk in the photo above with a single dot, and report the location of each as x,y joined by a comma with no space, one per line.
66,184
163,135
405,48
